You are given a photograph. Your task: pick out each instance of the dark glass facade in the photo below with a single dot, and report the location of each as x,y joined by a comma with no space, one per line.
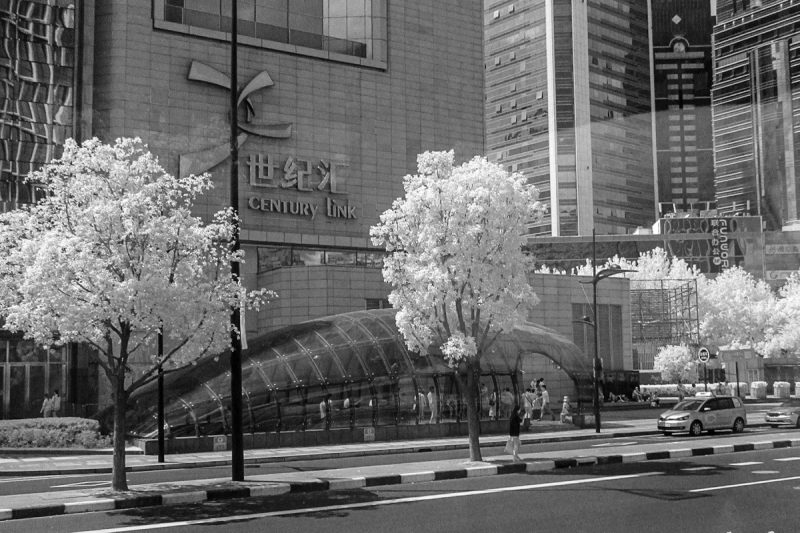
569,106
682,84
756,101
344,371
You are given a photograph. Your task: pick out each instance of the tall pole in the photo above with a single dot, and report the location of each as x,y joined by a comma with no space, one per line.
237,445
160,396
596,360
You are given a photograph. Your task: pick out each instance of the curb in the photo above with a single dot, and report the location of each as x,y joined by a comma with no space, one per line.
250,489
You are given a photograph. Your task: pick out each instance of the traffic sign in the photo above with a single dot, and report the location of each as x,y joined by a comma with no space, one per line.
703,355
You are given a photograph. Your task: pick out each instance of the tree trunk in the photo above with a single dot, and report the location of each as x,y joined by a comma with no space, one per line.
119,481
473,412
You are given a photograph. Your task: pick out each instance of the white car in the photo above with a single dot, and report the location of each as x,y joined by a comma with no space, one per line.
786,414
699,414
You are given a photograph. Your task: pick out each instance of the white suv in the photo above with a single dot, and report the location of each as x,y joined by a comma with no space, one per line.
699,414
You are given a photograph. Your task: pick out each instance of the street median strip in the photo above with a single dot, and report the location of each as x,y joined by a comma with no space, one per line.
261,486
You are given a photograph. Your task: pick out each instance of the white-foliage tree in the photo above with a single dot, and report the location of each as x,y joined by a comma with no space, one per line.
739,311
653,269
786,321
111,255
677,364
456,264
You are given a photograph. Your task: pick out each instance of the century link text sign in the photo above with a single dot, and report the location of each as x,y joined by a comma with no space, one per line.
277,176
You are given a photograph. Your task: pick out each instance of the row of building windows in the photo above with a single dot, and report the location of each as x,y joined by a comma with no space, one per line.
348,27
275,257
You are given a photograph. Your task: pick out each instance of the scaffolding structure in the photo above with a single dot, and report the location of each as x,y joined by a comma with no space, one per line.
663,312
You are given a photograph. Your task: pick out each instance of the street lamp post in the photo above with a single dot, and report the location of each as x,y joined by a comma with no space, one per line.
597,364
237,441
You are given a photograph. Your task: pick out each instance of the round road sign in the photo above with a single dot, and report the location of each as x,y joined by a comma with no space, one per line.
703,355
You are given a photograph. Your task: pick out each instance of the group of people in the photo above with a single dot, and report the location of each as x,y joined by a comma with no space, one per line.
535,397
51,405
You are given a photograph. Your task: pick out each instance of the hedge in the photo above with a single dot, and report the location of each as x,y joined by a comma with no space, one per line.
56,432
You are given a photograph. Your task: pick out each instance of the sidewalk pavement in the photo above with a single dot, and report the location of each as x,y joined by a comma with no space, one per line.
195,491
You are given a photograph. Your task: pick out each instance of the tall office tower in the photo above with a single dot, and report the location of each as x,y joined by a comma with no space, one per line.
682,58
568,104
755,104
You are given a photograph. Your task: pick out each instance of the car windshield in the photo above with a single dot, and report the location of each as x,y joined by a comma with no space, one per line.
688,405
794,402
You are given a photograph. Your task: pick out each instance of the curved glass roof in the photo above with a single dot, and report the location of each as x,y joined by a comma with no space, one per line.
362,346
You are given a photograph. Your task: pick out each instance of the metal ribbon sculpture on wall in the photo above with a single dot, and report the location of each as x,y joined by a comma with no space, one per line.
203,160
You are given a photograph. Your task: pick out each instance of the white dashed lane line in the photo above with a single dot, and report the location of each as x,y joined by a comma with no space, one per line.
747,463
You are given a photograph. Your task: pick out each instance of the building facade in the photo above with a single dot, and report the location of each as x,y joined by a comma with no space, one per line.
568,105
682,85
755,98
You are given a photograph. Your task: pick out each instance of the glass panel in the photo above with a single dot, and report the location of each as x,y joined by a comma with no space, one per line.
386,397
206,410
272,258
453,408
2,391
17,407
355,7
350,362
320,408
373,359
36,389
264,410
424,384
293,409
407,397
3,351
489,398
341,410
508,398
276,371
340,258
56,383
24,351
337,8
307,257
395,356
300,365
328,366
58,354
179,420
361,400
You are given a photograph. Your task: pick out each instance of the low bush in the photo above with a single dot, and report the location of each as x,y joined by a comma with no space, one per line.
57,432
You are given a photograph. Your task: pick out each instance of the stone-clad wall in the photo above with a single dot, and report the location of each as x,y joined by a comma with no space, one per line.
373,121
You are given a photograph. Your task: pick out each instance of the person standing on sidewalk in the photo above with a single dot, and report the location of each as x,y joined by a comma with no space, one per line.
433,403
546,404
55,400
513,444
47,406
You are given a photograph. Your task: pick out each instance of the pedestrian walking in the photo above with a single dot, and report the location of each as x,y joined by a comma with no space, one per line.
433,403
546,404
513,444
47,406
528,400
493,405
565,410
55,400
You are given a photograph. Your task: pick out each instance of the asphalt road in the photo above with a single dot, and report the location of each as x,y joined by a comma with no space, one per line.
736,492
34,484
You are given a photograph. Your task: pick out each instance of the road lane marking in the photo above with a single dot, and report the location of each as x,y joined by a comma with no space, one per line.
788,459
361,505
614,444
748,463
82,484
698,468
765,472
737,485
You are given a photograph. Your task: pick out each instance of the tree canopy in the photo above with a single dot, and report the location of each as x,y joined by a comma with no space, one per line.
456,264
112,255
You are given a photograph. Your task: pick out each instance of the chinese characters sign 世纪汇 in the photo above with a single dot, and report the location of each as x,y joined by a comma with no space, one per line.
303,175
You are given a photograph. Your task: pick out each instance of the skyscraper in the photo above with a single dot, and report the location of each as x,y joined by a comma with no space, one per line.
755,101
568,104
682,85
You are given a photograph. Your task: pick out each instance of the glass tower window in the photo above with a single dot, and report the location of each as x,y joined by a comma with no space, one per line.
355,28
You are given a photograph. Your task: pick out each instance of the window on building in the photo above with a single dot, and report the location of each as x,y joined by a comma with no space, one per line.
342,27
377,303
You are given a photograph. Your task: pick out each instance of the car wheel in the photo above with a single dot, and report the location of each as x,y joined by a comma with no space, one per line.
738,425
696,428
